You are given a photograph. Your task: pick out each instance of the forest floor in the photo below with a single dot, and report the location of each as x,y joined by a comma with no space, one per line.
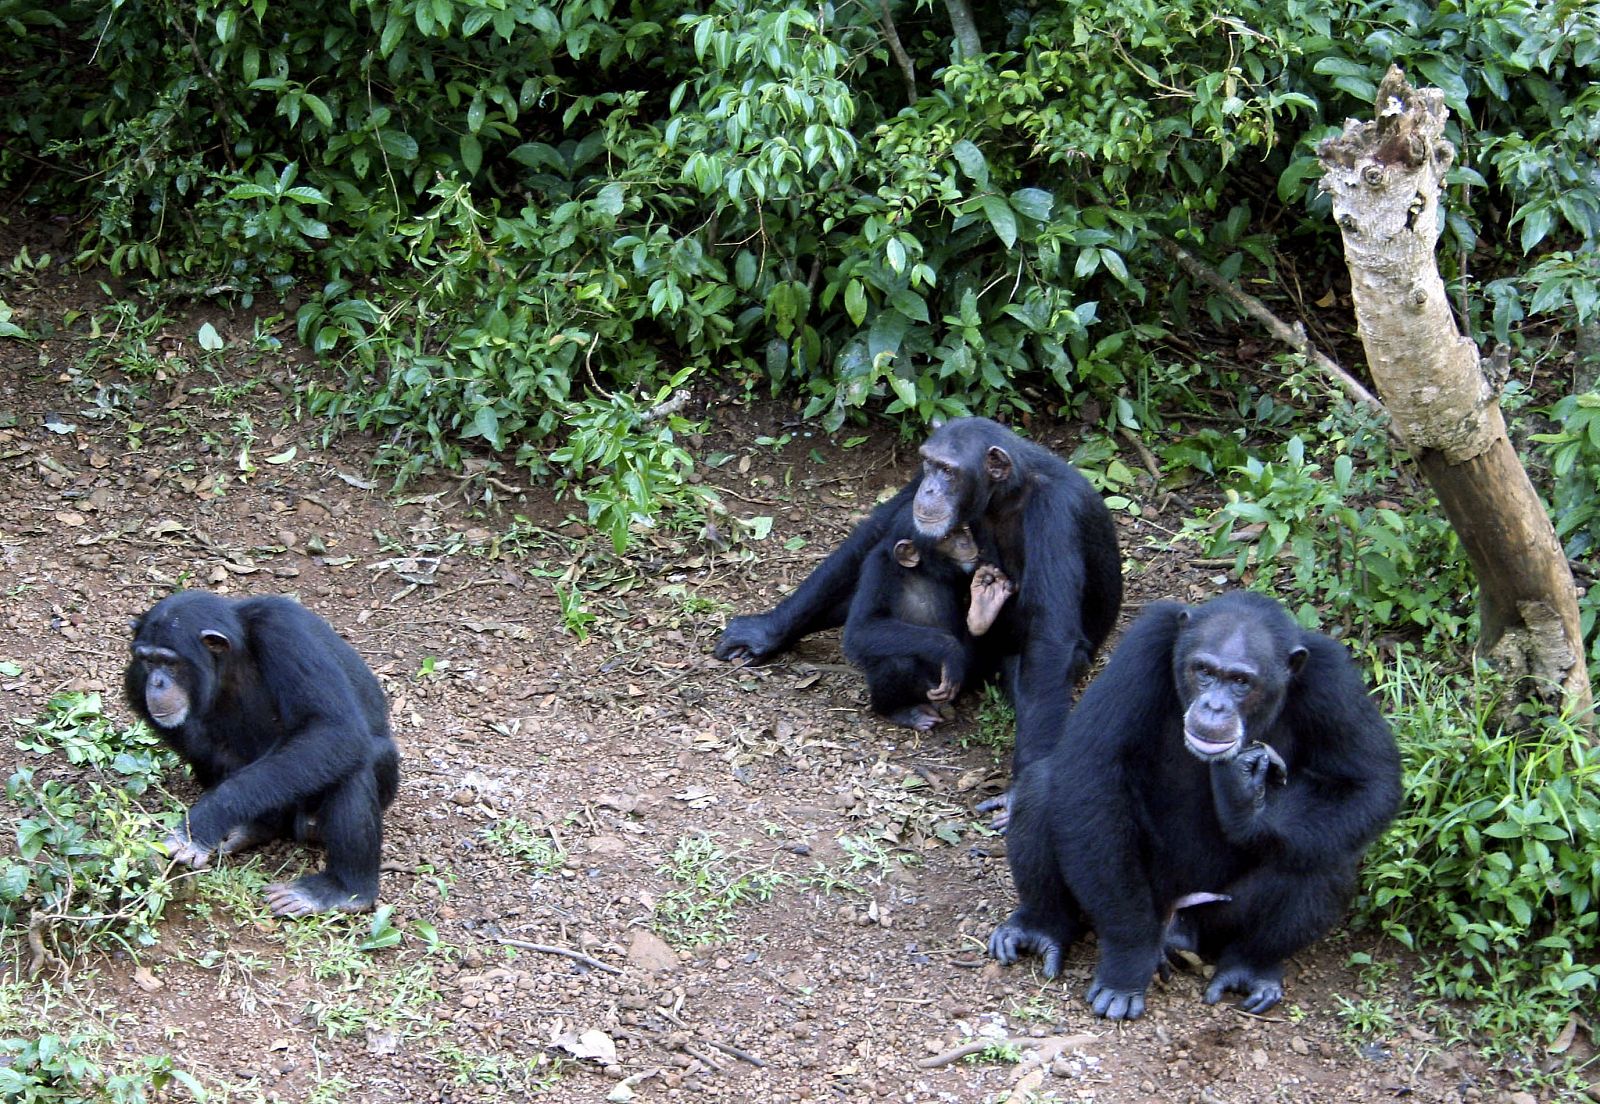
773,895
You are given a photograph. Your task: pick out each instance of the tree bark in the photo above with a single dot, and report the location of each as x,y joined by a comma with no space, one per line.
1384,177
968,44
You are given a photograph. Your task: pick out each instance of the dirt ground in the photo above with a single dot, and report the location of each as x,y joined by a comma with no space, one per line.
608,763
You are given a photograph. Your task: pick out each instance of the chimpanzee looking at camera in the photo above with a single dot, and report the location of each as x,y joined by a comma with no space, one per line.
913,621
1213,791
1053,537
286,730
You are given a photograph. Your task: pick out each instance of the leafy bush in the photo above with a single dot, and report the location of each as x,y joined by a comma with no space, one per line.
1492,869
1573,454
88,868
513,223
1334,539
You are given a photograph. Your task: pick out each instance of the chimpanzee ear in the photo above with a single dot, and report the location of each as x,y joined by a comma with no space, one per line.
997,464
906,554
217,642
1297,659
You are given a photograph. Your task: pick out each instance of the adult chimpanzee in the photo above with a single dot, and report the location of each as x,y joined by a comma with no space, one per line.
913,621
1226,763
286,730
1054,539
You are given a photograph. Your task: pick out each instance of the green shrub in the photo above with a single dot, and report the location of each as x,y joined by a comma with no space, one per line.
88,869
1492,870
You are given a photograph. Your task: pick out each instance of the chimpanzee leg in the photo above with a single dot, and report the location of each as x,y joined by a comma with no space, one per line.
1273,914
1047,920
350,821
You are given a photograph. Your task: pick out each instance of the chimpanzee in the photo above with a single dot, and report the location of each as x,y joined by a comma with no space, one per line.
1054,539
914,618
286,730
1226,763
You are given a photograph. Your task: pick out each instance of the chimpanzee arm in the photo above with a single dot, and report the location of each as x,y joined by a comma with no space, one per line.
1342,781
820,602
1049,607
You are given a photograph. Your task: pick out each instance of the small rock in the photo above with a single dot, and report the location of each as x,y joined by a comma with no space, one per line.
649,951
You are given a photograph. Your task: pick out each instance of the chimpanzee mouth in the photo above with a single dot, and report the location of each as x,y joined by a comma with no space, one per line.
932,527
170,719
1208,749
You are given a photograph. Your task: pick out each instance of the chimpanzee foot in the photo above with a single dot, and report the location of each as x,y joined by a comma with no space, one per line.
1017,937
1000,806
1262,988
989,591
920,717
1116,1004
315,893
186,851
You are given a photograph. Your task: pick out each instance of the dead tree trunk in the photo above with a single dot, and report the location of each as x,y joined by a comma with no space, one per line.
1384,178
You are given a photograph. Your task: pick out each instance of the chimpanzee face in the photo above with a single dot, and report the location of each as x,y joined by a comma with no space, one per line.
173,669
957,478
1232,676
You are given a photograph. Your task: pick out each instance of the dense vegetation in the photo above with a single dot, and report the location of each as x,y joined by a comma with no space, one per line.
522,228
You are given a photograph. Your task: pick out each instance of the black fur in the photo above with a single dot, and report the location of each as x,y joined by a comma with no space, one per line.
286,731
1123,826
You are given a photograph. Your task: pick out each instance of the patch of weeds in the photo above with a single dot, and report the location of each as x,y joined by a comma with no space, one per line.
68,1068
1491,870
121,331
865,858
996,722
1009,1053
575,615
1036,1009
333,1090
1365,1019
371,991
537,1074
88,870
531,846
714,888
693,604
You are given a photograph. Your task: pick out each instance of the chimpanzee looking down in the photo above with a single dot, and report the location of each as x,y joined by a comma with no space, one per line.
1213,791
286,730
913,621
1053,537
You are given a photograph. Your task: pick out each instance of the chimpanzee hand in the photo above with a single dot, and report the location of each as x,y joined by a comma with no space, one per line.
749,638
1239,788
948,687
185,850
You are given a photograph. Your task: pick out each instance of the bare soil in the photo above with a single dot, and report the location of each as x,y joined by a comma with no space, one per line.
853,982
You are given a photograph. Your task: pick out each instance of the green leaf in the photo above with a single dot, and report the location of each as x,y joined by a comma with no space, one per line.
970,158
855,301
1001,218
486,424
318,109
471,154
210,339
1034,203
910,304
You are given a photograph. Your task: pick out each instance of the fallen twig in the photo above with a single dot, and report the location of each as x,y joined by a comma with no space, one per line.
565,952
1054,1044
